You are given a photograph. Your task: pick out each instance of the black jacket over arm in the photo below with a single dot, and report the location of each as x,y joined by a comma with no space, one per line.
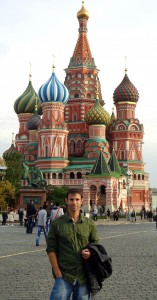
98,267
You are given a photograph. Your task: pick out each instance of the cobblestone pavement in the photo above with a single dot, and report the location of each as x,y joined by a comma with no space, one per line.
25,272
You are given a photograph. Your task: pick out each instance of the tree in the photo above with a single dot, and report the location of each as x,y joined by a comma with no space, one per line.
14,169
2,162
7,194
56,194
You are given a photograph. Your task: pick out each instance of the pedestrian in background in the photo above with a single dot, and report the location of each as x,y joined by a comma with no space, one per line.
66,246
20,213
133,216
108,214
11,217
4,218
56,212
42,218
95,213
31,212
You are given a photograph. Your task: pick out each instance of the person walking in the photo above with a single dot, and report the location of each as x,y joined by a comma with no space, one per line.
133,216
108,214
11,217
67,240
56,212
95,213
20,213
31,212
4,217
42,218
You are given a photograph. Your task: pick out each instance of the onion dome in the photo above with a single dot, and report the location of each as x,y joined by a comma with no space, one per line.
126,91
97,115
34,121
113,117
53,90
83,13
26,102
9,154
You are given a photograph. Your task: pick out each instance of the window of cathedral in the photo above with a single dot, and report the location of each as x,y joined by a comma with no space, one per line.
88,95
102,189
142,177
93,187
72,175
54,176
79,144
76,96
134,176
122,155
74,117
79,175
60,176
139,177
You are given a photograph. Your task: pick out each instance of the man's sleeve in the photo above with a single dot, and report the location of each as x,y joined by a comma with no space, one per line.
52,244
93,234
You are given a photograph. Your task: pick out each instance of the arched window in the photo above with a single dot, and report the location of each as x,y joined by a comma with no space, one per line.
139,177
76,96
134,176
74,117
79,144
60,176
79,175
93,188
102,189
142,177
72,146
88,95
72,175
54,176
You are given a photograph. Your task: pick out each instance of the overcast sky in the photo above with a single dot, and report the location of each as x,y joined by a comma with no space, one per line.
34,30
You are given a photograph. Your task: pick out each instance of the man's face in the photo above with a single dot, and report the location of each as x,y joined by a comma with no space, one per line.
74,202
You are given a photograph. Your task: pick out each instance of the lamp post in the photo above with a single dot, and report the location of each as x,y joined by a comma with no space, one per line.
128,179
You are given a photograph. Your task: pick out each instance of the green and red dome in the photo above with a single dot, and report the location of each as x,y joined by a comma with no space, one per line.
126,91
97,115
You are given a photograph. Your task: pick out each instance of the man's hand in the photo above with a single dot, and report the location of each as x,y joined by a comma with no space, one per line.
86,254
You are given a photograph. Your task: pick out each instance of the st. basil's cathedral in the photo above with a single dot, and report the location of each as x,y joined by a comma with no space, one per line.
66,133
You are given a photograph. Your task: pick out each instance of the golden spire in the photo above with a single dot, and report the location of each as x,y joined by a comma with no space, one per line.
30,71
53,63
13,138
125,65
83,13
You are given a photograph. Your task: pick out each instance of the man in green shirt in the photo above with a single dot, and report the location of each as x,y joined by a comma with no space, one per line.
66,247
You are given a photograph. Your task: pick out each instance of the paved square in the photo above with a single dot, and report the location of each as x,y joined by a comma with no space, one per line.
25,272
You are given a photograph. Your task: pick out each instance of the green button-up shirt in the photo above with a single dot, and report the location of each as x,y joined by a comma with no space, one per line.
67,239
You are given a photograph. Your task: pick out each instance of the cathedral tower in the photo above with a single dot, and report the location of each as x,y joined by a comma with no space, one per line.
81,81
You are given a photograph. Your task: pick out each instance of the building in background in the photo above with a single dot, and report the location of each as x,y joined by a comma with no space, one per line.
65,131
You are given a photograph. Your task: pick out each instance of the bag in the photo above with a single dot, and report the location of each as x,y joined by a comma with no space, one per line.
56,215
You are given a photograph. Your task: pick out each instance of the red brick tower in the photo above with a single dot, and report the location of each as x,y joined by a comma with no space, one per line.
81,81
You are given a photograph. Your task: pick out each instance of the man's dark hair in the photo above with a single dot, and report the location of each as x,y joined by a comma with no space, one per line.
74,191
44,206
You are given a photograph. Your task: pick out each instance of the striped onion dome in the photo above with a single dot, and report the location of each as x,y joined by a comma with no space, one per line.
97,115
9,154
126,91
53,91
26,102
34,121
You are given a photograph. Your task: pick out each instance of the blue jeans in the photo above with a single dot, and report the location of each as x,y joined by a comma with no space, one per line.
40,228
30,225
62,290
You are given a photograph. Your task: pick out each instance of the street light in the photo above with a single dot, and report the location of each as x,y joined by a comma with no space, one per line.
128,180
